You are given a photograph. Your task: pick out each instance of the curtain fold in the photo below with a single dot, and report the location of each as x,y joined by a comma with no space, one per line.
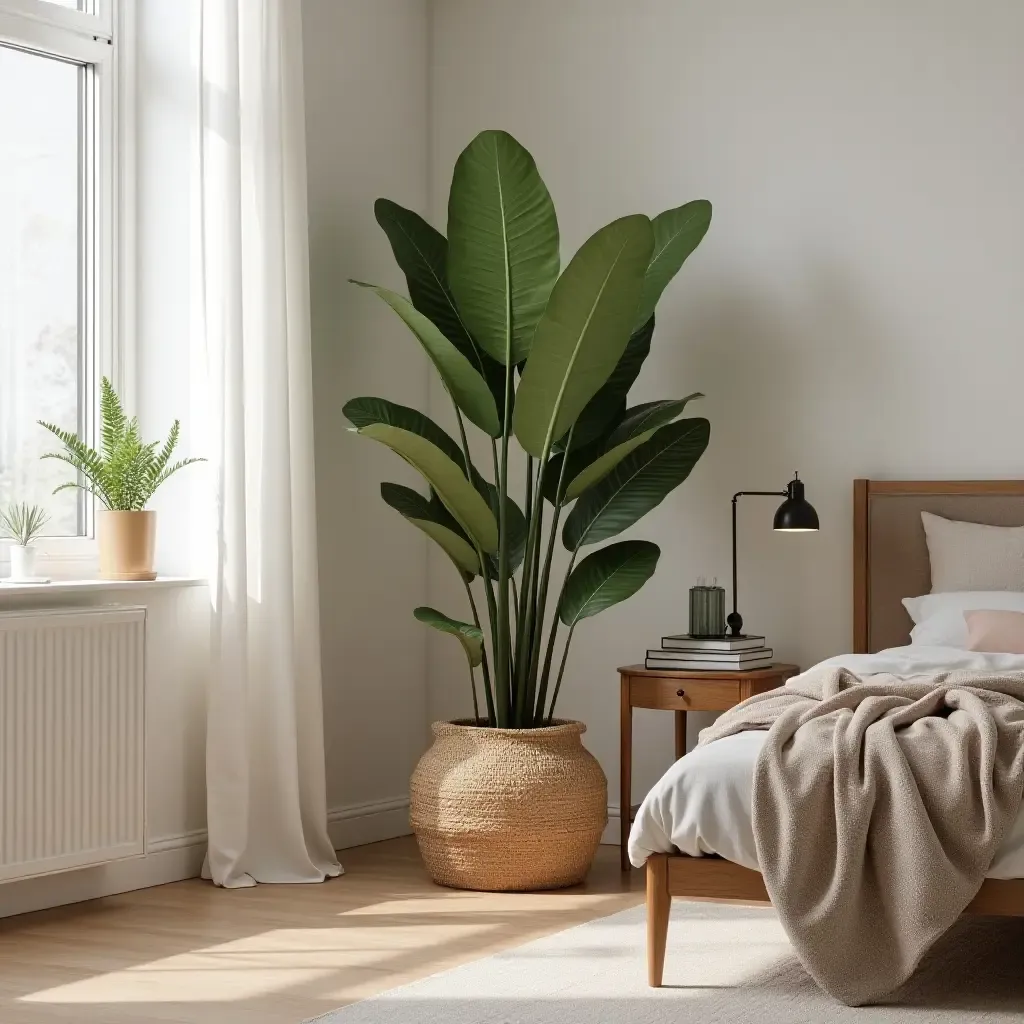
265,750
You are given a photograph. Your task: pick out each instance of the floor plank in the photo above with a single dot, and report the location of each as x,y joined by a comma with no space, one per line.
189,953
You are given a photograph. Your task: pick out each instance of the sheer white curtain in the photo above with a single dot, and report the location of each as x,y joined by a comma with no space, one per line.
265,750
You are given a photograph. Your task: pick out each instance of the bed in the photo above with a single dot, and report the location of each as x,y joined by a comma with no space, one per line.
705,819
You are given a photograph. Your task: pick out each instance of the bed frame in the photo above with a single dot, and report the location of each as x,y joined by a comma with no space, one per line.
890,562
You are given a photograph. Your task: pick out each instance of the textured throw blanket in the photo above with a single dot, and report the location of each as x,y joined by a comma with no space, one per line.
878,806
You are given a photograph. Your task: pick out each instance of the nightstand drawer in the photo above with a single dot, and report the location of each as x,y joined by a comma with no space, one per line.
670,694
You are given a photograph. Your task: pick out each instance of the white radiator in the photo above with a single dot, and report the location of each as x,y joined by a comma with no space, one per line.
72,738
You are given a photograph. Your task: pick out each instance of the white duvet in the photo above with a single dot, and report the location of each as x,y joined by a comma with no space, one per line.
702,803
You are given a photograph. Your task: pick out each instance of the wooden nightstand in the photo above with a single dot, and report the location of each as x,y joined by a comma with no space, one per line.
665,690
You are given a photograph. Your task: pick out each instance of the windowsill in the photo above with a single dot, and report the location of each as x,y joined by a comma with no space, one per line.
91,586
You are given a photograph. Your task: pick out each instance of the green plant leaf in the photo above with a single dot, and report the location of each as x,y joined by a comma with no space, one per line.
583,332
467,387
637,484
516,528
460,497
676,234
471,638
503,253
436,522
361,412
606,577
637,427
609,404
421,251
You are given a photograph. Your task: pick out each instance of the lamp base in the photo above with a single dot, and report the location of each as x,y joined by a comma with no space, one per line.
735,623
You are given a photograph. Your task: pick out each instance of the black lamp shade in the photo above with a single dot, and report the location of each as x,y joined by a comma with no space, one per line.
796,514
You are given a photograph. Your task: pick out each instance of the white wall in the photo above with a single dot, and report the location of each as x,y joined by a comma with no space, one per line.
366,125
856,308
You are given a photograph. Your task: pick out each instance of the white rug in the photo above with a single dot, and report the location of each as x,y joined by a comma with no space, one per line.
725,965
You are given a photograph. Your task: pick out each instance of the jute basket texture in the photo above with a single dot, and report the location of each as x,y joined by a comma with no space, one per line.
505,810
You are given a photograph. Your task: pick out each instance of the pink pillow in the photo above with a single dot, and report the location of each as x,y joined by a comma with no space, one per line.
997,632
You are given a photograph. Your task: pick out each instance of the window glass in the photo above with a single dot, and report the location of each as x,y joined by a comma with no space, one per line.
40,250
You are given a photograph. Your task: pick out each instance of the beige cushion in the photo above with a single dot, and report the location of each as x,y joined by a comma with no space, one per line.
970,556
995,631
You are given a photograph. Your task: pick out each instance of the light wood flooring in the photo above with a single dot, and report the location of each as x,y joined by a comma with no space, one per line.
274,954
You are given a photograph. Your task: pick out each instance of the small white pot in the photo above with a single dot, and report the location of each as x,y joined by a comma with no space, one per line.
23,562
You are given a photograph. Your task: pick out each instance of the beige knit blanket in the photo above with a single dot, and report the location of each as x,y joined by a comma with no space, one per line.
878,806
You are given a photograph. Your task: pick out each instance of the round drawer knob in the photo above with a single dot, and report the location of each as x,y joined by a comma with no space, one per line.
680,693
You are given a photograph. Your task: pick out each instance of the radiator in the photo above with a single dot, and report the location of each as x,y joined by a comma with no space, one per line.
72,738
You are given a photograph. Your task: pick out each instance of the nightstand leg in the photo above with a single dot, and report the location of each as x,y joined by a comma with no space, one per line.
680,734
625,772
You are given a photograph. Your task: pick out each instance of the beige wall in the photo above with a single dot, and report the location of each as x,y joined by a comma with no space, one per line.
856,308
366,124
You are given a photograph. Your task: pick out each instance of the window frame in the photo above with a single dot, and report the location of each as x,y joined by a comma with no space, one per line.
104,40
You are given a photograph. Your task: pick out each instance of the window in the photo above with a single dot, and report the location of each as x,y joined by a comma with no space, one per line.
56,257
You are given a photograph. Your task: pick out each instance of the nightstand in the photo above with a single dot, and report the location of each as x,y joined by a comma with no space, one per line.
666,690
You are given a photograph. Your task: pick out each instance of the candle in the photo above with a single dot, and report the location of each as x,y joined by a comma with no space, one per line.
707,610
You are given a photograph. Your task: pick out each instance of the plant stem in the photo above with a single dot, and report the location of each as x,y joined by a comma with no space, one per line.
561,670
472,689
546,674
488,588
529,595
535,708
488,696
502,669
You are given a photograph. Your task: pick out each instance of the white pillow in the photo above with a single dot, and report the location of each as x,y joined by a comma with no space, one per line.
939,618
972,556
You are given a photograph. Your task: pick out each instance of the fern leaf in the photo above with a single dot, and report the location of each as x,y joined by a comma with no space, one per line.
112,417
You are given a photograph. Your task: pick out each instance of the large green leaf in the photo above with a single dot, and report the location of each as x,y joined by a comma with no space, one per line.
583,332
466,386
460,497
421,251
606,577
637,427
609,403
435,521
470,636
361,412
637,484
502,244
676,234
515,528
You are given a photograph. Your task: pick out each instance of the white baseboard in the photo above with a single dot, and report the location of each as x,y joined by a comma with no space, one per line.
176,857
371,822
610,836
170,864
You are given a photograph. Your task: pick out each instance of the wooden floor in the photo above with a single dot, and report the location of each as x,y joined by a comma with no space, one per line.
274,954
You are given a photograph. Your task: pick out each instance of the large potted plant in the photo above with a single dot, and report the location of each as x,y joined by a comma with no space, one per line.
510,799
123,475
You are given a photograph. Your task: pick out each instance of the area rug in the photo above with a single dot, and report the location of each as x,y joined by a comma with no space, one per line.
726,964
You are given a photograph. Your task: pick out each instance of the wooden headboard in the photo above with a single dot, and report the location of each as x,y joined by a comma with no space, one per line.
890,557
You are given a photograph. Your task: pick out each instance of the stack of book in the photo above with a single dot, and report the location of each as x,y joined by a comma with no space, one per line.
713,654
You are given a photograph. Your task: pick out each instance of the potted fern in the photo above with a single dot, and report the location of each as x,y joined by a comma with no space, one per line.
123,475
23,523
543,356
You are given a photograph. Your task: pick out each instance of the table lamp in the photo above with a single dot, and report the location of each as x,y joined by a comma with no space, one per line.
795,515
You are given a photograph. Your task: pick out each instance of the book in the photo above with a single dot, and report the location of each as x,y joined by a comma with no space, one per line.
730,658
707,666
726,644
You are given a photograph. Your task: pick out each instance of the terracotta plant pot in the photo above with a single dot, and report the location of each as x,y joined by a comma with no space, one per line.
508,809
127,542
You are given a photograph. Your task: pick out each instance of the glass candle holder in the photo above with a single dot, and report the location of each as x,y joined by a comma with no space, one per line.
707,611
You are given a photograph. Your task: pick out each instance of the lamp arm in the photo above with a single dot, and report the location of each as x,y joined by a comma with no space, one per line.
735,620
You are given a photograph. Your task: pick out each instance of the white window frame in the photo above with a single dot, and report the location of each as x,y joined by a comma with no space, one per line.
104,39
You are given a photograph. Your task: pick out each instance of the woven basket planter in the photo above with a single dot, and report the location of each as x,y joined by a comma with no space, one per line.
508,809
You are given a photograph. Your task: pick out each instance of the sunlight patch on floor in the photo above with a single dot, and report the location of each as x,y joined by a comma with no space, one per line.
264,963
